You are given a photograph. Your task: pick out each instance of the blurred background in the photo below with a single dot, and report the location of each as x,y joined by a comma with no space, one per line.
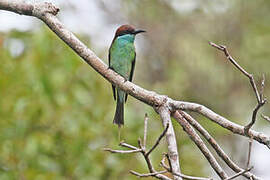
56,112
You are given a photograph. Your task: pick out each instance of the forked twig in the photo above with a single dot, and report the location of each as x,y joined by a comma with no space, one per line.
142,149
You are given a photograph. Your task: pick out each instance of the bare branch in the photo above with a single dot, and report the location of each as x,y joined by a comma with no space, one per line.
233,127
171,140
250,142
147,174
254,115
230,58
200,144
145,130
259,96
123,144
265,117
215,145
262,87
142,150
239,174
122,151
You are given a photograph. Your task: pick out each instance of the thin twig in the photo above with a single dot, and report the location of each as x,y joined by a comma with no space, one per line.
254,115
158,140
122,151
123,144
169,160
239,174
265,117
147,174
145,130
249,151
262,87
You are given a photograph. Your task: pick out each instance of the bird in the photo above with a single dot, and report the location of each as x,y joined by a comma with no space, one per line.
122,58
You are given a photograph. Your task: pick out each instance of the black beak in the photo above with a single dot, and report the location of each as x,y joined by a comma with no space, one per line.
138,31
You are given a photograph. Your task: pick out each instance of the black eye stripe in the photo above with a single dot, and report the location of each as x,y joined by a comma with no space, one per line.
126,32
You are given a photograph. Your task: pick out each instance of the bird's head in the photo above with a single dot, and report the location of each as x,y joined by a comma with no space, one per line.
127,29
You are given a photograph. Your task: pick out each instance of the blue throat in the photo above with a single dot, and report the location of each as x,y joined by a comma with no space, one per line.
127,37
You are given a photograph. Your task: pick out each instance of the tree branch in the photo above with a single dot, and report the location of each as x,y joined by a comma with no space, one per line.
142,150
147,174
122,151
259,96
216,147
265,117
233,127
200,144
171,140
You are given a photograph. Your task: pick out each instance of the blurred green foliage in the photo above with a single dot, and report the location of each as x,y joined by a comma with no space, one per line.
56,112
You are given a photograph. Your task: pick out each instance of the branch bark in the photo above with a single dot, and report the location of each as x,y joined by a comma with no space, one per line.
200,144
171,140
233,127
216,147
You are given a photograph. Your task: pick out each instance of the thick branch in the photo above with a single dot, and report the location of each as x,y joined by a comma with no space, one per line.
171,139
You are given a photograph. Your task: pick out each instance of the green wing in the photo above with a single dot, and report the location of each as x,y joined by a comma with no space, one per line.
113,87
131,73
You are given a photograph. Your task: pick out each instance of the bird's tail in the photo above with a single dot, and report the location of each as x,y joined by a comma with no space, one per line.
119,113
